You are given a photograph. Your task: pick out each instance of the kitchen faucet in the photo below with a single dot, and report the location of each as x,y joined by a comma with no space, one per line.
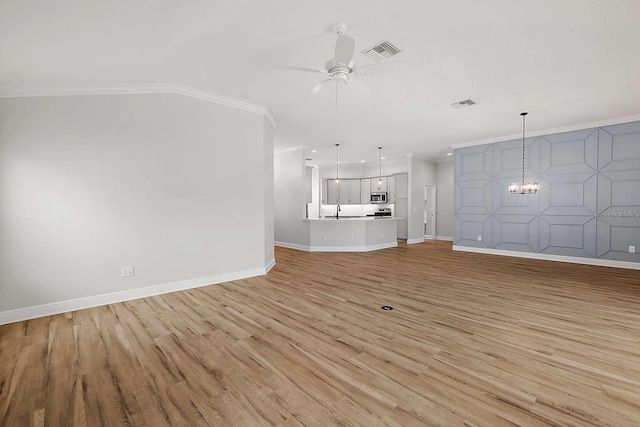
337,212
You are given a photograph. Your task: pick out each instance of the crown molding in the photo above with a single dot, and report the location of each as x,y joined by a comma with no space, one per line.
127,89
580,126
421,156
288,150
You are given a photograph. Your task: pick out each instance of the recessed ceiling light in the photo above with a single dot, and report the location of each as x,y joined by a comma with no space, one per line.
449,154
314,151
384,158
361,161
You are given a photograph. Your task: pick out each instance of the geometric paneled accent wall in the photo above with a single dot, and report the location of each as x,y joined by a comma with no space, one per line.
588,204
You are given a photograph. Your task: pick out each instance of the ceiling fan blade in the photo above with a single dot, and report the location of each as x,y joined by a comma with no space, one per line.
330,64
358,88
305,69
345,48
317,88
381,68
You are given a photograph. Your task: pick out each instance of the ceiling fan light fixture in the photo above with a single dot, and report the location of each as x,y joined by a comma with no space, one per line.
342,68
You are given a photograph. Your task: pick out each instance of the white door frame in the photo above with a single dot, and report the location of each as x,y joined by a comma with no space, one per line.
430,233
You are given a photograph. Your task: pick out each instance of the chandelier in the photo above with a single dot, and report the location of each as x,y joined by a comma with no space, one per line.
523,187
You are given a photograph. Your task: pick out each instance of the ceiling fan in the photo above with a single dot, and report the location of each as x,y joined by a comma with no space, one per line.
341,69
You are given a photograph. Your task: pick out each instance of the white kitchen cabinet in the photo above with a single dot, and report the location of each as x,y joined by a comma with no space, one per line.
402,186
346,192
354,191
358,191
349,191
365,190
323,191
332,192
378,186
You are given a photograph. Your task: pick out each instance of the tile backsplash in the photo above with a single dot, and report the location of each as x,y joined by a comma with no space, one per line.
353,210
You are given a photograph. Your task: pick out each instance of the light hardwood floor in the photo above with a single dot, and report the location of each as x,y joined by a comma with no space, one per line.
473,340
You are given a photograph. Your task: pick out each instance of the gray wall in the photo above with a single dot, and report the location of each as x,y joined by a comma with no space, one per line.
290,197
589,199
444,200
177,187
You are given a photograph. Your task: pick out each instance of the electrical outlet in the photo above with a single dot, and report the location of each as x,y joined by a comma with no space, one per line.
127,271
632,249
479,238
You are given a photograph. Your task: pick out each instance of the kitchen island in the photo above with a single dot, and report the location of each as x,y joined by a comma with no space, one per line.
361,234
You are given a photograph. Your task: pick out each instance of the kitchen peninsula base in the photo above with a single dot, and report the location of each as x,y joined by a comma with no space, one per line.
352,234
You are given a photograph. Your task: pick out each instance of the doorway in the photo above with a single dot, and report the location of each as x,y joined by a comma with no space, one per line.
430,212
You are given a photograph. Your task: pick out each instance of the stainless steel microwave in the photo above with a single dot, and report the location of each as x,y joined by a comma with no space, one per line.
380,197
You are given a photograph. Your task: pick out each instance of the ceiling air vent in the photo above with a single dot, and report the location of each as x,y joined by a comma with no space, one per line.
462,104
381,51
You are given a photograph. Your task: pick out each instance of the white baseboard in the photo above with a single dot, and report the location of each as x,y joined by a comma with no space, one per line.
550,257
27,313
293,246
414,241
368,248
447,238
270,265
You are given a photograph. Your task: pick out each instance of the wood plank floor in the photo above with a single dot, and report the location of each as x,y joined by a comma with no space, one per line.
473,340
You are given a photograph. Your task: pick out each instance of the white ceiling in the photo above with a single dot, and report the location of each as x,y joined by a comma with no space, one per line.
565,61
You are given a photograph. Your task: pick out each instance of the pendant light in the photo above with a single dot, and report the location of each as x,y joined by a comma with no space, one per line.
524,187
380,165
337,163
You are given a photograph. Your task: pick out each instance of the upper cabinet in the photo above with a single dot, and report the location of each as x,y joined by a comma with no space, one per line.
358,191
354,191
379,184
347,191
401,186
332,192
365,190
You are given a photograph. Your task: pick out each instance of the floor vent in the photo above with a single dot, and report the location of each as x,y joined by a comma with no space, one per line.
382,51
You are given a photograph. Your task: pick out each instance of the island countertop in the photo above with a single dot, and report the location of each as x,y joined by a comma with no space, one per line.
351,218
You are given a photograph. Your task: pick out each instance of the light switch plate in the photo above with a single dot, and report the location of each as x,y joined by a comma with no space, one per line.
479,238
632,249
